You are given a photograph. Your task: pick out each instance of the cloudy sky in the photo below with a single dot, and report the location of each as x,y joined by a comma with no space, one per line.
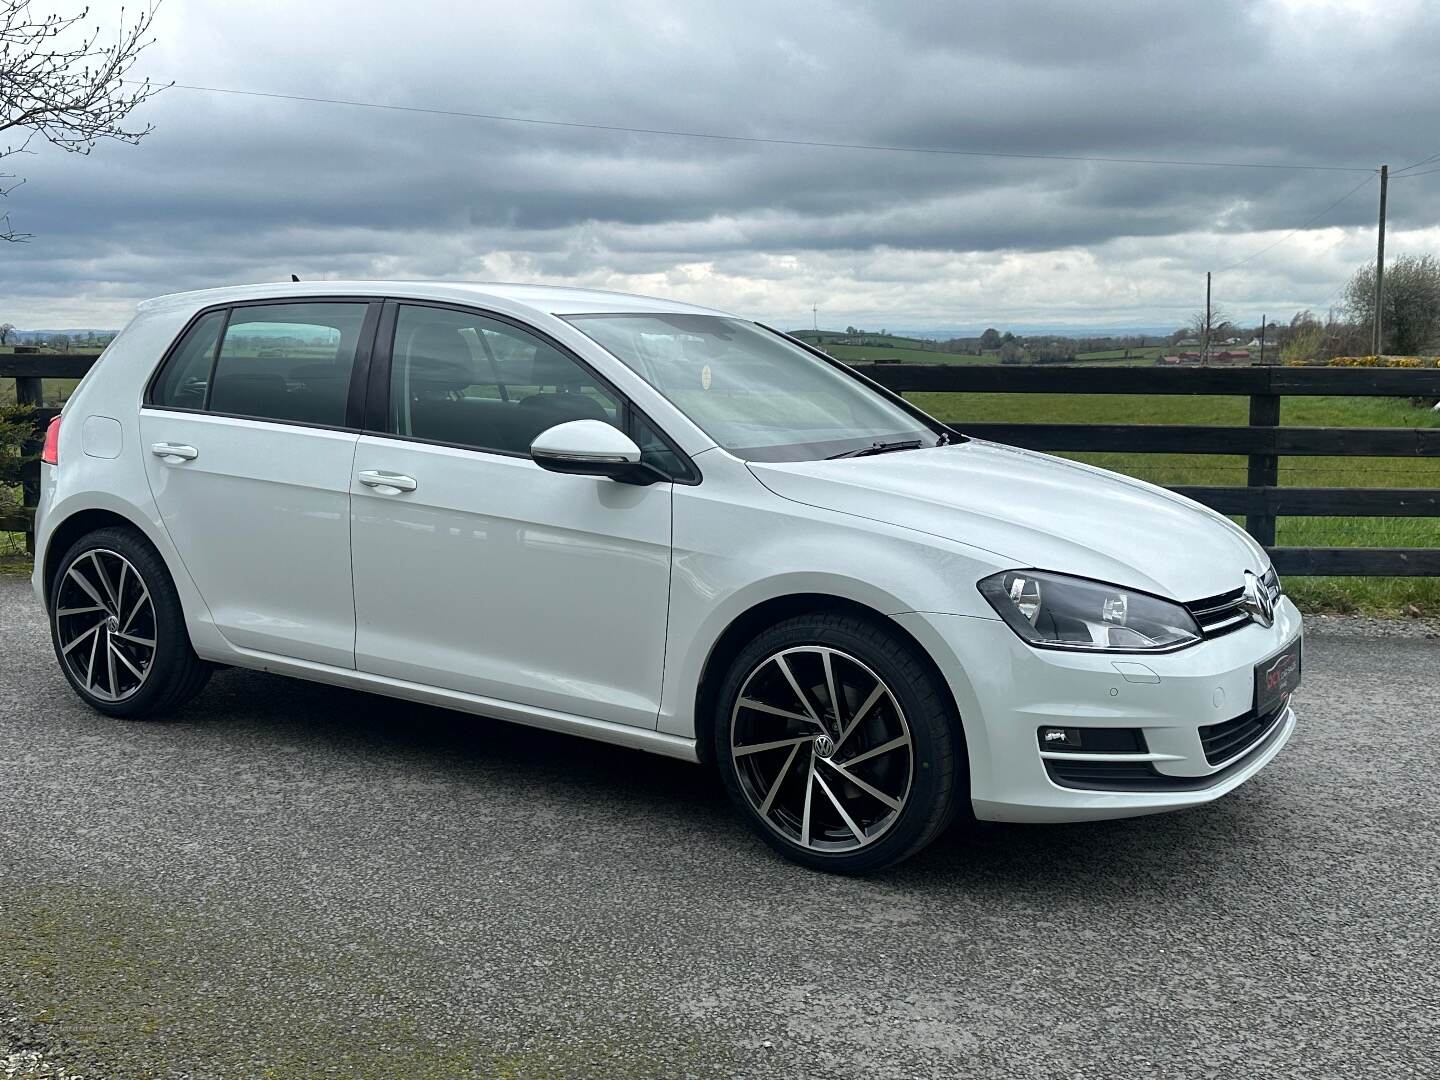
235,189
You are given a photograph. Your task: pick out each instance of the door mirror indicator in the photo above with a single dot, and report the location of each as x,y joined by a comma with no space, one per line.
592,448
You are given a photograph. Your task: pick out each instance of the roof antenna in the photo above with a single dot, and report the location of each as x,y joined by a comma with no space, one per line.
294,277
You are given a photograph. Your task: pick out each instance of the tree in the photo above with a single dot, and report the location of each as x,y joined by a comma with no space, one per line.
990,339
58,83
60,342
1207,327
1011,353
5,331
1410,315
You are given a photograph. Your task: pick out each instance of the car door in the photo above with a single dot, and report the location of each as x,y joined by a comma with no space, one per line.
248,443
476,570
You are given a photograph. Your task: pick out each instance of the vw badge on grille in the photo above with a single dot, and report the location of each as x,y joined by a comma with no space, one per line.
1257,600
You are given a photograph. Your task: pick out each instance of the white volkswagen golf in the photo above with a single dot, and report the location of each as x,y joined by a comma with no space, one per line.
660,526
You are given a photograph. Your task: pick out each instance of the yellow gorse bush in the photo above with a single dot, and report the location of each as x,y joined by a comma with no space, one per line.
1370,362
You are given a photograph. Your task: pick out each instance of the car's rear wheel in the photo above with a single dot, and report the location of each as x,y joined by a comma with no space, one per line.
118,628
839,743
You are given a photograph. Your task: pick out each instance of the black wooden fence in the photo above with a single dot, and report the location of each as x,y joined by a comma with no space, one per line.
1263,441
28,372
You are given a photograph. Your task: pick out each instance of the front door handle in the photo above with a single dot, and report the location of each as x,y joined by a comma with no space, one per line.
173,452
382,480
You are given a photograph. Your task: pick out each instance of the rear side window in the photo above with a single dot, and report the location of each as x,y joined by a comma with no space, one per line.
183,383
288,362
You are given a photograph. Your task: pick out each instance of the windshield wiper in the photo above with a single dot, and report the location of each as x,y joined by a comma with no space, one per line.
879,448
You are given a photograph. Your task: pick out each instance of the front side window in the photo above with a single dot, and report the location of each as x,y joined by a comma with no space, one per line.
753,392
466,380
288,362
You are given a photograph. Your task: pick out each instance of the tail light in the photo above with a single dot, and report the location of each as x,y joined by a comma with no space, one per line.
50,455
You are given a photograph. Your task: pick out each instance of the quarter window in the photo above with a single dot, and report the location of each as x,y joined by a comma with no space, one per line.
183,383
288,362
466,380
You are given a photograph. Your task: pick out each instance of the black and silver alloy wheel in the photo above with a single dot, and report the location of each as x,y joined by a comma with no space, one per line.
838,739
105,625
822,749
118,628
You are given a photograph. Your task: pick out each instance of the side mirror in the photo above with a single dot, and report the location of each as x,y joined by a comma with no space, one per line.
591,448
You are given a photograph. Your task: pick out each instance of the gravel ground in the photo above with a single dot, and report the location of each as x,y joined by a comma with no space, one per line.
295,881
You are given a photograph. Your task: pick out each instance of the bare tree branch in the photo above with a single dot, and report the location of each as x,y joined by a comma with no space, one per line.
60,83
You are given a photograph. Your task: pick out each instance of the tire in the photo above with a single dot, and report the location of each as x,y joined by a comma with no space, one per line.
894,761
118,630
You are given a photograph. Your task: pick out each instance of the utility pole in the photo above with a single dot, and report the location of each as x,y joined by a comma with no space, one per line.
1378,344
1205,340
1262,340
815,314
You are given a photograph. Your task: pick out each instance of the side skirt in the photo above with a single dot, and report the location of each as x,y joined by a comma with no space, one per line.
635,738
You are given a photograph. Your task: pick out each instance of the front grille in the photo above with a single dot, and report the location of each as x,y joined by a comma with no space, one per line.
1106,775
1221,614
1226,740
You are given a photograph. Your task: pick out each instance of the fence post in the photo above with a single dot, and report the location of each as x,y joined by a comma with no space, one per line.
30,390
1264,469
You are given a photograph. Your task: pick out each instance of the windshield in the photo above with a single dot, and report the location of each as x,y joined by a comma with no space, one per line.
753,392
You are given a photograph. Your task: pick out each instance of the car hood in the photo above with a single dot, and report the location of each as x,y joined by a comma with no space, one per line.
1035,511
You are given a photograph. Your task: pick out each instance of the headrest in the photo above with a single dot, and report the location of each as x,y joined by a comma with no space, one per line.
549,367
438,356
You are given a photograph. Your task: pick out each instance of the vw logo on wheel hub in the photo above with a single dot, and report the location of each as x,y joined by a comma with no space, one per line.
824,745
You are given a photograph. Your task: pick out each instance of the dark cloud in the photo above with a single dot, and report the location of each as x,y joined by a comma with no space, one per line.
233,188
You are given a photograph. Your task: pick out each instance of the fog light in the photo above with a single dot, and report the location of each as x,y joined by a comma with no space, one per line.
1060,738
1092,740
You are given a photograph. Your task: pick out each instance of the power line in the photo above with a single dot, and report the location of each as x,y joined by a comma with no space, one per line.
1422,161
1413,175
760,140
1298,229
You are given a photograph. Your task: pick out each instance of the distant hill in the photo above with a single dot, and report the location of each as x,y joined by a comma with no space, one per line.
28,336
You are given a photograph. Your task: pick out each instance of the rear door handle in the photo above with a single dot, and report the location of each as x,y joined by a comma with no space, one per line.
173,452
381,480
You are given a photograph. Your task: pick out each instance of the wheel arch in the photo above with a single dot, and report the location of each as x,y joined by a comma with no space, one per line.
77,525
747,624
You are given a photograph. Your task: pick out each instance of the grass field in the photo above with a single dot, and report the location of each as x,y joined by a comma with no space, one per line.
1379,595
1149,353
866,353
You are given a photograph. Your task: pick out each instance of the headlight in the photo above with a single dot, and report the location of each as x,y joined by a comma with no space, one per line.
1059,612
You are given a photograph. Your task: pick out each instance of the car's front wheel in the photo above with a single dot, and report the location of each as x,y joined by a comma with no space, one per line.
118,628
839,743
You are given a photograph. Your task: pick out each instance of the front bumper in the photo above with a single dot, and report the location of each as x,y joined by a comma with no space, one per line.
1008,690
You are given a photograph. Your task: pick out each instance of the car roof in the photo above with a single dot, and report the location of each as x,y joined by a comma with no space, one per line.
540,299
